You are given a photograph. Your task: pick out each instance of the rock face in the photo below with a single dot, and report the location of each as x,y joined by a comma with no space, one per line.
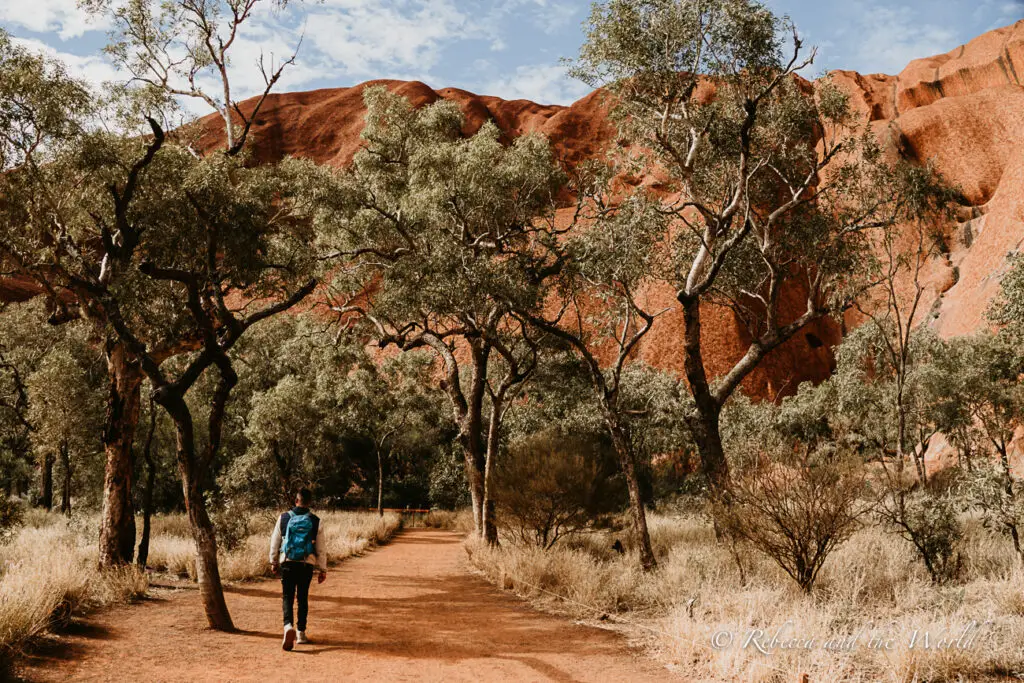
962,111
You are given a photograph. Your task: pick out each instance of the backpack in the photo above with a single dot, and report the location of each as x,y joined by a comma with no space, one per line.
299,532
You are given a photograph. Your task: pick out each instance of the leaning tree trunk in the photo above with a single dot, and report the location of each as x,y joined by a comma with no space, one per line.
627,460
117,522
147,493
46,482
704,423
65,497
211,590
706,432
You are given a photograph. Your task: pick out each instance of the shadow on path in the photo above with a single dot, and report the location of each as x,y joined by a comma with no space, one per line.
408,611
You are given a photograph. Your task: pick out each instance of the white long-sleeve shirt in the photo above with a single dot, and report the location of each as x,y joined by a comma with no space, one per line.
318,559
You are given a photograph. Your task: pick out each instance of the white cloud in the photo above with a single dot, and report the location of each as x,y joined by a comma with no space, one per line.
370,39
886,39
545,84
62,17
92,69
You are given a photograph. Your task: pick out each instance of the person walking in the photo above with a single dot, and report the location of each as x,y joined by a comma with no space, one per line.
296,549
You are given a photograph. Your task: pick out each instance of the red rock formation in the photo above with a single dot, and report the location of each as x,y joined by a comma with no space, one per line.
963,111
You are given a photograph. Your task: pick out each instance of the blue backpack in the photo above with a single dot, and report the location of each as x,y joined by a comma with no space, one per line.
299,532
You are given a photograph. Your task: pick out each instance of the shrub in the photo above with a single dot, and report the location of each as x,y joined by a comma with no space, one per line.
930,521
11,516
550,486
448,489
997,496
459,520
795,513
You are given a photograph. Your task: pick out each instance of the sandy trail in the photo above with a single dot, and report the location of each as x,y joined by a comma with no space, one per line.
410,611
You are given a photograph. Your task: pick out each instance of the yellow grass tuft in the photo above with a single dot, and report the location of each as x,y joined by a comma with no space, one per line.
872,587
48,571
48,575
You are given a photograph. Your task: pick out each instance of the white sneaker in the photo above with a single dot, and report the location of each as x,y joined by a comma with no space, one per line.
302,640
289,638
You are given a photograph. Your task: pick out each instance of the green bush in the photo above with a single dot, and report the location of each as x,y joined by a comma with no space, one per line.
550,486
11,516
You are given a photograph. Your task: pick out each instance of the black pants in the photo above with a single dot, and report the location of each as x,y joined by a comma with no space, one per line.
295,579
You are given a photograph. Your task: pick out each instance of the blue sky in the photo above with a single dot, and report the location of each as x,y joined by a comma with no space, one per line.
509,48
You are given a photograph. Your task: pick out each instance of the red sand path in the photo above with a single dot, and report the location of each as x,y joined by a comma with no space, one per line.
410,611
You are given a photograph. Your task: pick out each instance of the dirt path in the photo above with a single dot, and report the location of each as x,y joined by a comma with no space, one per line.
410,611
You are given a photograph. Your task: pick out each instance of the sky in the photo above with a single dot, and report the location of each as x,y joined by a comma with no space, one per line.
508,48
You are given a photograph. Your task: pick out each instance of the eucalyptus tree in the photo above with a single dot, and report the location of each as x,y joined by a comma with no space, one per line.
393,406
293,440
43,113
66,414
986,370
771,186
436,236
19,355
595,305
170,253
179,50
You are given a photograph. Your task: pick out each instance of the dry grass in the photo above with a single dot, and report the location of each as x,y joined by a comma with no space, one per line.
48,575
48,571
873,587
459,520
346,534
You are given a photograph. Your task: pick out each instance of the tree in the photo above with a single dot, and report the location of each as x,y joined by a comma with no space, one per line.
43,112
170,254
142,556
392,406
182,49
180,235
600,313
66,413
15,427
903,348
771,187
990,396
431,229
869,386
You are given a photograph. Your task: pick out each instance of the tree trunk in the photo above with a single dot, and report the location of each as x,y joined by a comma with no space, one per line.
207,570
471,435
704,423
380,484
705,429
490,525
475,479
147,493
65,498
117,522
627,460
46,482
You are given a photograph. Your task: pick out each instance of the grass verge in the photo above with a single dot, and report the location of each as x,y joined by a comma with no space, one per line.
872,602
48,572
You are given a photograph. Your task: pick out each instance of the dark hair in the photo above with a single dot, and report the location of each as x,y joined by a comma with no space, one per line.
305,496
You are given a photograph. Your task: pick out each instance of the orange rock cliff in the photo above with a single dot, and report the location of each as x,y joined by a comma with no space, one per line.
963,111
